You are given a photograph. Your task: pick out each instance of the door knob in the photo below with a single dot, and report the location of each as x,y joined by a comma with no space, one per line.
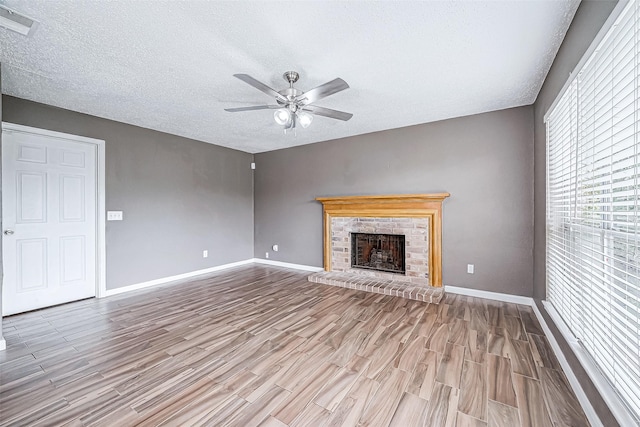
8,232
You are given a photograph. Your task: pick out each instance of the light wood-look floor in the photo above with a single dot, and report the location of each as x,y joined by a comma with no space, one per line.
262,346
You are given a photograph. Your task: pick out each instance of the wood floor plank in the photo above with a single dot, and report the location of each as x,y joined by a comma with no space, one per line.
514,327
384,403
216,396
451,363
464,420
411,352
163,408
438,337
556,389
495,313
498,342
522,358
260,345
542,352
458,331
272,422
332,393
476,346
260,409
443,406
263,382
351,408
311,416
479,321
473,390
500,382
411,411
424,375
349,348
533,411
305,365
229,410
531,324
510,309
304,393
36,413
383,357
500,415
425,324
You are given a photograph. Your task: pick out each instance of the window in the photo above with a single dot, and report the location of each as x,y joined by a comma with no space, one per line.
593,217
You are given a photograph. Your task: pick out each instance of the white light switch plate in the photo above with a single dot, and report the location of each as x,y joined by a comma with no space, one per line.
114,215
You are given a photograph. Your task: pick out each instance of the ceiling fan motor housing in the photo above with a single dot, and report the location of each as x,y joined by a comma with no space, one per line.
291,77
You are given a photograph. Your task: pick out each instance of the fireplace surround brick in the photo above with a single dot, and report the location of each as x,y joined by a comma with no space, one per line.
415,230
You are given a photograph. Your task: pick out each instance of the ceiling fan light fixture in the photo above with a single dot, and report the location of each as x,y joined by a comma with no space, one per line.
304,119
282,116
291,102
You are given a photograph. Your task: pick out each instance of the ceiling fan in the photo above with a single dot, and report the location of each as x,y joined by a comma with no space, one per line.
293,105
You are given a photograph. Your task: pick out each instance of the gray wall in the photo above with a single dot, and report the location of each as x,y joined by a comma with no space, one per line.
587,22
179,196
485,161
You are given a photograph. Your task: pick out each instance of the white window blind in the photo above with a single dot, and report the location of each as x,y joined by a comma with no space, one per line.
593,217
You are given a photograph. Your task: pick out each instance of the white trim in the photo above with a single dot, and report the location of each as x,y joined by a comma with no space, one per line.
589,411
615,404
101,238
516,299
163,280
287,265
615,13
12,127
101,249
3,344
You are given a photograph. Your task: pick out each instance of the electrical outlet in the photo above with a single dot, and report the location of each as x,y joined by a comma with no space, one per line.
266,255
275,248
470,268
205,254
114,215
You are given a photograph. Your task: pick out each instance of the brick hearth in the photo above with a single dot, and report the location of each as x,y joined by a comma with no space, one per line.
379,286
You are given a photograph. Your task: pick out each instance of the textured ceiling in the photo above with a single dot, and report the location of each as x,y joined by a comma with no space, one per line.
168,65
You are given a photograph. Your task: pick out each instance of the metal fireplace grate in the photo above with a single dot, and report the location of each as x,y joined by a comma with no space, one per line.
381,252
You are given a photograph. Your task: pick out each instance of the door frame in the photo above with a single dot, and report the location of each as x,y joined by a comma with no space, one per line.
101,250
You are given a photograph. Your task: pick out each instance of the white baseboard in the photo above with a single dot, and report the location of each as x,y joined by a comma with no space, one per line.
516,299
3,344
288,265
164,280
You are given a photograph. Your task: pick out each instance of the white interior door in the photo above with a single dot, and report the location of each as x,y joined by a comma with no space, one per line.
49,220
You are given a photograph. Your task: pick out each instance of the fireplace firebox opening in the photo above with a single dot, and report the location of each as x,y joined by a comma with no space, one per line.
382,252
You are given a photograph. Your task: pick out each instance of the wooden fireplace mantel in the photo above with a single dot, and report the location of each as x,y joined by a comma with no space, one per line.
390,206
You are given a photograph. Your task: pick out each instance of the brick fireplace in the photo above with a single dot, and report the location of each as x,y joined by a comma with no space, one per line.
415,232
416,217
